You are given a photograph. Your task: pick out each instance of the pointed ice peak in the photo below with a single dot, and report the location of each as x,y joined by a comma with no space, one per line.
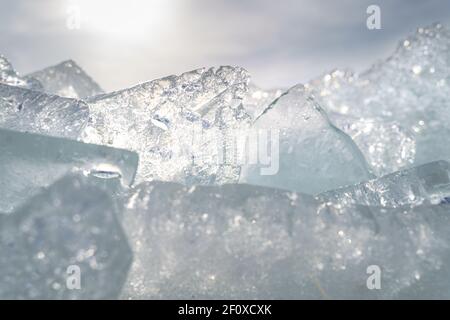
10,76
310,153
67,79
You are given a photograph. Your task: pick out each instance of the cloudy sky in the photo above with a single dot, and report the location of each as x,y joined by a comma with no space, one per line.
123,42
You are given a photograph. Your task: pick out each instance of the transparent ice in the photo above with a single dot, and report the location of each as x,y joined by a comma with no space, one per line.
29,162
72,223
387,146
10,76
425,184
67,79
409,89
247,242
170,122
362,179
314,155
34,111
257,99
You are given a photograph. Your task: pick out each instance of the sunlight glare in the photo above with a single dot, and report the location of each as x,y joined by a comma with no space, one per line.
124,18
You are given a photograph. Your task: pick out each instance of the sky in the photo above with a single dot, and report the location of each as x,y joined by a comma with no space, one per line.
281,43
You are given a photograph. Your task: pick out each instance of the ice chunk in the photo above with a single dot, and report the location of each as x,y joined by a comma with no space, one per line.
177,124
248,242
257,100
29,162
67,79
386,146
34,111
314,155
67,231
9,76
425,184
410,88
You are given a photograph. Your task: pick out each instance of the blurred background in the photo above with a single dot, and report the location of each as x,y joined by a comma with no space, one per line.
281,43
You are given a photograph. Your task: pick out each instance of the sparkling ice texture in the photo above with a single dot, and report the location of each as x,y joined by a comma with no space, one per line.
177,124
409,90
10,76
356,174
425,184
246,242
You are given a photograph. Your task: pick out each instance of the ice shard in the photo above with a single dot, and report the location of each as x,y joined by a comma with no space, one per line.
177,124
67,79
249,242
257,99
425,184
386,145
409,88
10,76
37,112
64,243
29,162
313,154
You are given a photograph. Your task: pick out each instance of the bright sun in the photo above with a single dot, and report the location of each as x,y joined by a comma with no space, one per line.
125,18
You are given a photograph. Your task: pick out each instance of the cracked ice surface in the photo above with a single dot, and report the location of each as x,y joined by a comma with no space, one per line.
73,223
314,155
425,184
66,79
170,122
241,241
29,162
410,89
